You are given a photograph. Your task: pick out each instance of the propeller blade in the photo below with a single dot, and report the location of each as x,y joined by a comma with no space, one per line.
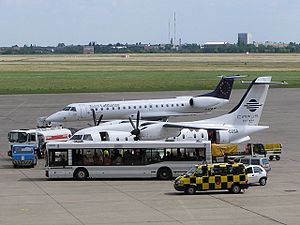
94,117
99,120
137,119
132,124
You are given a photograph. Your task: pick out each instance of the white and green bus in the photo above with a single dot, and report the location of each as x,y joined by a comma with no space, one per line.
140,159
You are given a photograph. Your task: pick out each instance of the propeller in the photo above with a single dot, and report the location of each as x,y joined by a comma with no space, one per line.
136,131
96,122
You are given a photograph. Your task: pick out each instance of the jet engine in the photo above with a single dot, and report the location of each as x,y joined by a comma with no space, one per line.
203,102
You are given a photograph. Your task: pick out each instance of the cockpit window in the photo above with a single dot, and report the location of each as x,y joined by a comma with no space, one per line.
87,137
67,108
76,137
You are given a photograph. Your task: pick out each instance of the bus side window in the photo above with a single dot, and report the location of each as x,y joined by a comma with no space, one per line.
32,137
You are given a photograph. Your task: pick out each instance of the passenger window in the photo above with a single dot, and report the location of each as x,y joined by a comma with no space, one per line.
249,170
245,161
87,137
257,170
32,137
255,161
199,173
134,107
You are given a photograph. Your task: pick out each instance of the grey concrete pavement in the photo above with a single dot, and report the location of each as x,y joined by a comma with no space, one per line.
27,197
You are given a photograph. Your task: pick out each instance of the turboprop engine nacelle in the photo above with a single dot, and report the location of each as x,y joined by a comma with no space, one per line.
222,137
157,131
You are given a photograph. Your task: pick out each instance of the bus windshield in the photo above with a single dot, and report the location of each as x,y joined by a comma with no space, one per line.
19,137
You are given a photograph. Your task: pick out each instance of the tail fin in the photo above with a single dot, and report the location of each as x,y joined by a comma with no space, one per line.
224,88
249,109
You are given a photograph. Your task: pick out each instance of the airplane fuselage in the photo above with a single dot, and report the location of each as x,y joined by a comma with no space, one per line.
150,109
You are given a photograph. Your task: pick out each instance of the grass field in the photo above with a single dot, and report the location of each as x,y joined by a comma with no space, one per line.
139,72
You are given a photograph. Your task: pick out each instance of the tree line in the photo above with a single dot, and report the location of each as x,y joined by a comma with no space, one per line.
61,48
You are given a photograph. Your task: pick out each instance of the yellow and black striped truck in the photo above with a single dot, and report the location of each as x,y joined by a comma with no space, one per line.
220,176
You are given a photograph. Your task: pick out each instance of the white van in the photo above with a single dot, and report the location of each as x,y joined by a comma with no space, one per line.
252,160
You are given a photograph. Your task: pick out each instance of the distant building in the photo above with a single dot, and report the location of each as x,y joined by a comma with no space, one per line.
214,44
245,38
88,50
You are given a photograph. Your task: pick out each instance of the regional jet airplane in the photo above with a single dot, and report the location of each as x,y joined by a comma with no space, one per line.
152,109
234,127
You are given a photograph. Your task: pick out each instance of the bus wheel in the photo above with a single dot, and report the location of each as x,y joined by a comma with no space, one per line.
190,190
164,174
235,189
271,157
81,174
277,157
263,181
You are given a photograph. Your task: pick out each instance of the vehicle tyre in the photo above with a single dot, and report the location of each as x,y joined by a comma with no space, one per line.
81,174
271,157
235,189
35,161
277,157
164,174
190,190
263,181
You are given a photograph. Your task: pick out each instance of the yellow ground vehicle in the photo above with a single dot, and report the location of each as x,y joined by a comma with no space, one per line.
221,176
221,151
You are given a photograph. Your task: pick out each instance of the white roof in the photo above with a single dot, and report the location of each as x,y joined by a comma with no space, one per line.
215,43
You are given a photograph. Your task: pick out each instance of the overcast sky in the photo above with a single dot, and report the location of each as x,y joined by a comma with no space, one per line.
48,22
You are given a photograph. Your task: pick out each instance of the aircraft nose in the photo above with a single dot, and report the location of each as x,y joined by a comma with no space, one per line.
57,117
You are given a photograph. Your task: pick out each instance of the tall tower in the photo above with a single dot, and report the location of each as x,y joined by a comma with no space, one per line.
169,34
174,41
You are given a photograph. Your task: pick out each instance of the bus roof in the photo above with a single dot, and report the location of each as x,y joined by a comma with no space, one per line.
135,144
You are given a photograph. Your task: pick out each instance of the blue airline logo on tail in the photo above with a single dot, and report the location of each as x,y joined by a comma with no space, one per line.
252,105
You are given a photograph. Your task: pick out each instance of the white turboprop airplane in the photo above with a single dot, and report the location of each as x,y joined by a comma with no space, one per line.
152,109
234,127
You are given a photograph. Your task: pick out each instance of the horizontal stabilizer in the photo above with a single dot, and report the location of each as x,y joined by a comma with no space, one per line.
263,82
